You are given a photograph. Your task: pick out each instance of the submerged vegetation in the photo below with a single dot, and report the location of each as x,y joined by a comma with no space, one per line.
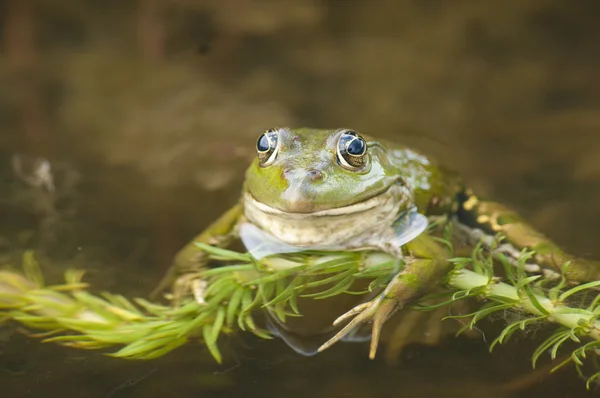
235,293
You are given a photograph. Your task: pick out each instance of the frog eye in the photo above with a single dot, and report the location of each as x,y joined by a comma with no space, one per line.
267,147
351,150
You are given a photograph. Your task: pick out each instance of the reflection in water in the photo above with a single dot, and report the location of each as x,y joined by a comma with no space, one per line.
159,122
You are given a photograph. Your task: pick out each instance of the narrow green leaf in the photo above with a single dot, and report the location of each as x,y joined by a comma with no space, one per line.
325,281
210,344
545,346
170,346
226,269
577,289
338,288
557,345
233,307
505,334
217,325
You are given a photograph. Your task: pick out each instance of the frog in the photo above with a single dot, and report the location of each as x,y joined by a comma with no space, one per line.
338,189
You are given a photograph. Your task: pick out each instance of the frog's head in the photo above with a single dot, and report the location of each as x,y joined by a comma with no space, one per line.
307,170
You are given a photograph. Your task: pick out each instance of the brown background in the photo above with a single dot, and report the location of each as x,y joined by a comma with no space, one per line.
148,112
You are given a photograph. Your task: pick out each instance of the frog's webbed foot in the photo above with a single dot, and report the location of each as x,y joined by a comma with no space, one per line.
428,262
377,311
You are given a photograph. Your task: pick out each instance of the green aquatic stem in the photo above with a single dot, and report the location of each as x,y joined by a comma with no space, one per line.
235,292
554,311
69,315
526,294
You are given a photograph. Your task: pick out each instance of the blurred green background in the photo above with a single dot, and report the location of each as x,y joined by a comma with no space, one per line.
147,112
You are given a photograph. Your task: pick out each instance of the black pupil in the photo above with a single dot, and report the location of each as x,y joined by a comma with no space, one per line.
263,143
356,147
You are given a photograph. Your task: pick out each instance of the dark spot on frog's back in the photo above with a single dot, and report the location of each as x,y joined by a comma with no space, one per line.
509,218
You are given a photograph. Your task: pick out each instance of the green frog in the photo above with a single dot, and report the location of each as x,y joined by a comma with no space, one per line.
343,190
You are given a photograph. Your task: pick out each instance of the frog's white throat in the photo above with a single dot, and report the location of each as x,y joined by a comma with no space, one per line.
351,226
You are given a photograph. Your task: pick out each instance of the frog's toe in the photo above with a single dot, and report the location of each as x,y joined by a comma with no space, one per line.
376,311
188,285
198,287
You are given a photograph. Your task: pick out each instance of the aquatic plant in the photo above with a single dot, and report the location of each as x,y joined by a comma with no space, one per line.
233,294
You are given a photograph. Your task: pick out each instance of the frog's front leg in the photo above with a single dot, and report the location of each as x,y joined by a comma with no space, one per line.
425,266
190,259
481,220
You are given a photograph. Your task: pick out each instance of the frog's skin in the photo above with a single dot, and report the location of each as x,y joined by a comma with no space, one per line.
308,187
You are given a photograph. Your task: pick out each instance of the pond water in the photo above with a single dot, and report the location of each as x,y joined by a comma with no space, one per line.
147,113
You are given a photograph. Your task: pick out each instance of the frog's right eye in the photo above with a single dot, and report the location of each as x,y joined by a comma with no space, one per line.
267,147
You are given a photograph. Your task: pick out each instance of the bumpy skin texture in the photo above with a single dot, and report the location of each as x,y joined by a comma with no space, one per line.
305,177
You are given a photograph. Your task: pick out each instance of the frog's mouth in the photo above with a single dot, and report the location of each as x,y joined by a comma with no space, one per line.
360,207
380,221
336,227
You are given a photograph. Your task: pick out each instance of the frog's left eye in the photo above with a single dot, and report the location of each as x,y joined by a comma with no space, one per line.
351,150
267,147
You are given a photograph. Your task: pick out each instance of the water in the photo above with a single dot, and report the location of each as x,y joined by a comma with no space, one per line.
148,115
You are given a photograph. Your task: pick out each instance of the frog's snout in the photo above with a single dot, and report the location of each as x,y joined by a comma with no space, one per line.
297,176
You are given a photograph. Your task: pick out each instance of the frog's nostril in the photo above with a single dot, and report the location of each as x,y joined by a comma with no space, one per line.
315,175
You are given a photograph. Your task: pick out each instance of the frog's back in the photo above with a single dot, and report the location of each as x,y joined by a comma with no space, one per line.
435,187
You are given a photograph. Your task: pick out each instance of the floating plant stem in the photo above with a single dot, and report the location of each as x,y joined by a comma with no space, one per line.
70,315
